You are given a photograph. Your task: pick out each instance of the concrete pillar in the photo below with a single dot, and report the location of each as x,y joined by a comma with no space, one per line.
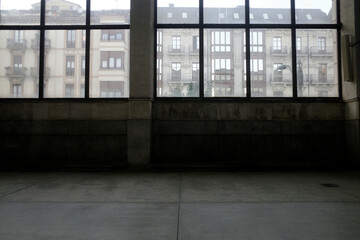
141,82
351,90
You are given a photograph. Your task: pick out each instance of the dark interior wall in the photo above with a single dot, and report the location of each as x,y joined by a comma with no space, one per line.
184,134
63,134
248,134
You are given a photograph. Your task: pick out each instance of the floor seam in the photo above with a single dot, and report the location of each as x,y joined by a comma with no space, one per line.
178,216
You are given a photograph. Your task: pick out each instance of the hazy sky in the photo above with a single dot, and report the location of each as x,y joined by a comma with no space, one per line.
324,5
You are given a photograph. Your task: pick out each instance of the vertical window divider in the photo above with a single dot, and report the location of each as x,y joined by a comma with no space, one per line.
155,51
338,34
42,50
247,46
293,47
201,48
87,50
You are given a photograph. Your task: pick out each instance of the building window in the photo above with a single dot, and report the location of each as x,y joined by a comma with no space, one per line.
19,36
82,90
298,44
159,41
322,72
69,90
18,67
277,43
243,60
322,44
176,71
184,15
256,41
70,65
111,89
221,41
112,35
176,43
83,38
71,38
16,90
196,42
169,15
112,60
64,28
83,63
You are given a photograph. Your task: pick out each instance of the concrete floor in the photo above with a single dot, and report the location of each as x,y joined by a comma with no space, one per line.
186,206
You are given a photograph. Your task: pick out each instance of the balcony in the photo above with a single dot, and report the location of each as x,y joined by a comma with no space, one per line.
321,51
16,45
322,79
35,44
193,51
303,51
281,79
183,78
283,51
176,51
34,73
15,73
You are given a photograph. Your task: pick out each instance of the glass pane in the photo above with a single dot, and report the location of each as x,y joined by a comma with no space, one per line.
64,72
224,60
110,12
20,12
19,68
225,11
271,63
315,12
178,68
178,11
317,63
70,12
264,11
110,59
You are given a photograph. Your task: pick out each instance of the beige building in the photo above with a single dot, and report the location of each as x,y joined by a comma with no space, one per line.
64,71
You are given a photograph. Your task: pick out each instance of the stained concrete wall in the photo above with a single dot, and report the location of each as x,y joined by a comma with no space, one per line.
63,134
248,134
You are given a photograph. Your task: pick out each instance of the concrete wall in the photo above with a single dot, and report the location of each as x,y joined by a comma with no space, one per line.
248,134
145,132
63,134
351,90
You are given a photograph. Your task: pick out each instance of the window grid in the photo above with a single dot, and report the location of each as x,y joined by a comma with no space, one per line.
295,44
71,41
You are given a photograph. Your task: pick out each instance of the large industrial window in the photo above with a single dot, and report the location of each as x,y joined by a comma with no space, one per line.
64,48
247,49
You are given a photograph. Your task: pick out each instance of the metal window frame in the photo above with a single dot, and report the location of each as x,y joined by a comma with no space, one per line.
247,26
42,27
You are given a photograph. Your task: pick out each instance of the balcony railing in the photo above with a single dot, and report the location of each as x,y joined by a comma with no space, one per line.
176,51
279,51
284,78
34,72
322,51
15,72
16,45
183,78
302,51
35,43
193,51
